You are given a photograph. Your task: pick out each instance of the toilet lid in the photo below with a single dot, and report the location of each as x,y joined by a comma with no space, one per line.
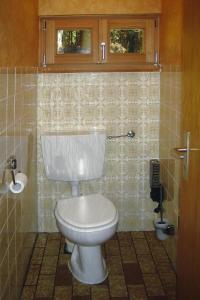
86,211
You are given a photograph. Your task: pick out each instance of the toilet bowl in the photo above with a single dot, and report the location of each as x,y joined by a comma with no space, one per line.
87,221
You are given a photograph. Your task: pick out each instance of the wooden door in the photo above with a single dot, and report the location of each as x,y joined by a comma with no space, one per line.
189,225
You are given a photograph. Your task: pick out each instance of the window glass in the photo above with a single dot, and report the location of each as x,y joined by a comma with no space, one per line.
127,40
73,41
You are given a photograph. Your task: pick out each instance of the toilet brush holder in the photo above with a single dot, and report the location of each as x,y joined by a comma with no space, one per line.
160,228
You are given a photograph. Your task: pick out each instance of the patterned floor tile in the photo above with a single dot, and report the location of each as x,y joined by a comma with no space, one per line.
28,293
80,289
52,247
49,265
41,240
141,246
63,276
137,292
114,265
132,274
128,254
100,292
137,235
45,286
146,263
37,256
112,248
117,286
153,285
33,274
63,293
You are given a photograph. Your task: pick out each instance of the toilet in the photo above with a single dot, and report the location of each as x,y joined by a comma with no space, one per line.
86,221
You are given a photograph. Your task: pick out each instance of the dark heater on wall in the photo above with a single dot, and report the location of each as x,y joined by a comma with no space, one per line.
157,190
154,173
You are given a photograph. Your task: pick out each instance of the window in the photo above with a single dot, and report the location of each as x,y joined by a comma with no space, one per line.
99,43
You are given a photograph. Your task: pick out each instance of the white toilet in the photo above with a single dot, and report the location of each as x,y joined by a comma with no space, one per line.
85,221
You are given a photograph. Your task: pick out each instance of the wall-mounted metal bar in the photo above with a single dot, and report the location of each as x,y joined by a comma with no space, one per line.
130,134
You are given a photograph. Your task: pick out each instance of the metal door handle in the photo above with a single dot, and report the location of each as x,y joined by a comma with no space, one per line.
103,49
181,150
185,154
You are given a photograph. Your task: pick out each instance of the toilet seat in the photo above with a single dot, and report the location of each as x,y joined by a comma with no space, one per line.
87,212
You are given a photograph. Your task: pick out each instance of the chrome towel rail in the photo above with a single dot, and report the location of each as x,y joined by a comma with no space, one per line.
130,134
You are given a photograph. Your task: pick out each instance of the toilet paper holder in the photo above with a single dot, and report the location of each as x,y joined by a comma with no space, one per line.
19,180
10,166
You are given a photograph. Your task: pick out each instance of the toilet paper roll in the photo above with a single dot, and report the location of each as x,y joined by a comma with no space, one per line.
20,183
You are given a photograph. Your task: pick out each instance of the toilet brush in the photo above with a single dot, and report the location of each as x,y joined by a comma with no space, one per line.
161,206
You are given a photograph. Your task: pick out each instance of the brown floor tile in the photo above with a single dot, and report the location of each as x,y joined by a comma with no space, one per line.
52,247
54,236
146,263
33,274
112,248
128,254
117,286
63,276
41,240
63,293
158,298
37,256
80,289
28,293
151,236
43,298
141,246
132,274
125,239
45,286
137,235
114,265
119,298
164,267
99,292
63,259
159,255
81,298
169,283
137,292
49,265
153,285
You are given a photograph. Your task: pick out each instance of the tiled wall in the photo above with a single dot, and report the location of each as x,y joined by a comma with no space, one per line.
18,212
170,112
117,102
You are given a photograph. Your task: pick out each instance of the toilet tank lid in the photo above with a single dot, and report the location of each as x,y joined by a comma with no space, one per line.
87,211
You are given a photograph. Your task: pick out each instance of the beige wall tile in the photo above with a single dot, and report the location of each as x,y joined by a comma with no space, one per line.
13,129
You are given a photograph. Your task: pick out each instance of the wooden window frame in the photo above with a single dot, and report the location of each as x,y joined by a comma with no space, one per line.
149,42
100,27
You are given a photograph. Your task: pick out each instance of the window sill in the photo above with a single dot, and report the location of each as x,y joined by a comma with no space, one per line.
73,68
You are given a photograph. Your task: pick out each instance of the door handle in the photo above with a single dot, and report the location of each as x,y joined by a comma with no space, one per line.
180,150
185,153
103,51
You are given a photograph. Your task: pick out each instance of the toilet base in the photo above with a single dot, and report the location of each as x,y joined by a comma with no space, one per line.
87,264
